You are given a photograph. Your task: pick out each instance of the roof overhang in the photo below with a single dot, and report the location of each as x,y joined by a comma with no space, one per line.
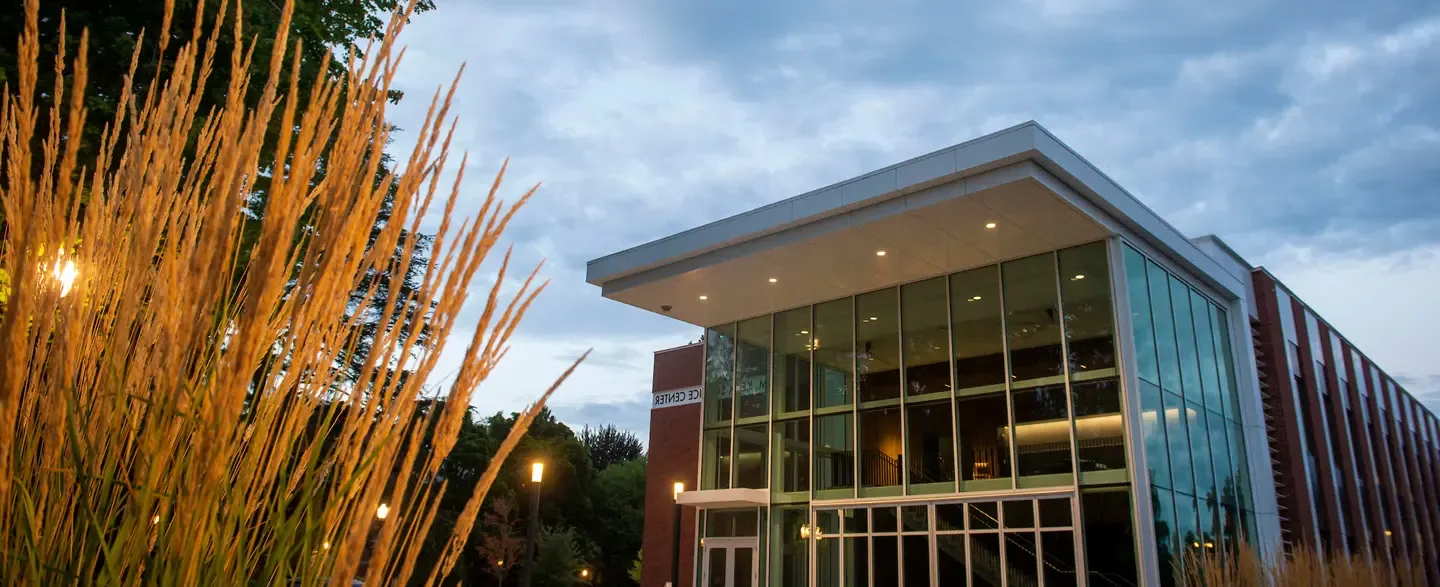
724,498
929,216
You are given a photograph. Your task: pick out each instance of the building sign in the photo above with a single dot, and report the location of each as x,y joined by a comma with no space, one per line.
676,397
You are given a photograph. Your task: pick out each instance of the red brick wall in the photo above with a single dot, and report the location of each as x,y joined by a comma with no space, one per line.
674,455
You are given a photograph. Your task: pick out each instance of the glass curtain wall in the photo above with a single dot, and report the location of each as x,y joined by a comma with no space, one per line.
1190,422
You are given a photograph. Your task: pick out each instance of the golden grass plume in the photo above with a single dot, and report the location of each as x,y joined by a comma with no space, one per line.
165,422
1303,567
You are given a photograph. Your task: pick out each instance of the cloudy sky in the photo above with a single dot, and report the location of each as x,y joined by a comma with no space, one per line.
1306,134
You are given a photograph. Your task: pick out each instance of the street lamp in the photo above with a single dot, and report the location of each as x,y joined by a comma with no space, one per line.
537,472
675,542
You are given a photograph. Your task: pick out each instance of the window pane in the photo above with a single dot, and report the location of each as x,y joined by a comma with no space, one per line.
950,555
1032,322
1179,439
744,566
880,452
753,378
915,518
984,516
716,473
882,519
792,361
834,452
1019,514
1106,520
917,561
1205,342
949,516
728,523
1020,559
978,335
926,336
985,567
834,354
984,437
886,561
1187,525
1220,331
855,520
1239,465
750,446
1089,320
1042,431
1200,451
857,561
1185,340
789,559
1217,430
1054,513
1152,428
827,562
1144,332
1099,429
877,341
1164,321
1059,567
719,373
1167,538
716,567
792,442
931,443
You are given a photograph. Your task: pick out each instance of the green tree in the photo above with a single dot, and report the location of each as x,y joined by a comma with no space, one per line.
619,502
635,567
608,445
559,555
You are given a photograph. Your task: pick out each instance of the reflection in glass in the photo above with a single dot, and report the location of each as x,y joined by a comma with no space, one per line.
979,338
885,552
1135,286
1205,343
1185,339
834,354
789,559
1164,322
931,445
827,562
792,442
1238,465
877,342
1105,519
792,361
1099,429
926,336
834,452
1020,558
1220,332
1089,320
1059,567
1167,537
750,456
1152,430
1200,451
752,382
719,373
985,567
950,555
857,561
1187,525
1217,430
1032,321
881,456
854,520
1179,439
716,472
917,560
984,516
828,521
984,437
1042,432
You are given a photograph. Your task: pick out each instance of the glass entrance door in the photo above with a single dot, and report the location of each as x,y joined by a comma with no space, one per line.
730,562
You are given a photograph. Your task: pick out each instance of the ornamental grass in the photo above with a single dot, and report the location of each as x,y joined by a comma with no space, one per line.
1303,567
174,407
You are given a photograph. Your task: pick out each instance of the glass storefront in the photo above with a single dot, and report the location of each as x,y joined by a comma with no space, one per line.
971,427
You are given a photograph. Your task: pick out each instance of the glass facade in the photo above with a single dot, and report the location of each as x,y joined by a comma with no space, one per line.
1190,423
995,397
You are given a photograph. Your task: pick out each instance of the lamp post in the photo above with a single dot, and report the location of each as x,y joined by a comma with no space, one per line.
537,471
675,543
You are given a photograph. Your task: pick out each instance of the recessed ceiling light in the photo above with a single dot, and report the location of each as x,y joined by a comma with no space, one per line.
1078,277
975,299
703,298
804,332
989,225
879,253
874,319
773,280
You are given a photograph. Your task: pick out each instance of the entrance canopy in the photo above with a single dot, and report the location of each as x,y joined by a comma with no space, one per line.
1002,196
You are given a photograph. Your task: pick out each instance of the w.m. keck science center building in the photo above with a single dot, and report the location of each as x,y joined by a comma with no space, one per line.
993,366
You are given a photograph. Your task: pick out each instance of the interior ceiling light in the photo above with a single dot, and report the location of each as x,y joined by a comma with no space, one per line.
879,253
975,299
804,332
703,298
1078,277
874,319
989,225
773,280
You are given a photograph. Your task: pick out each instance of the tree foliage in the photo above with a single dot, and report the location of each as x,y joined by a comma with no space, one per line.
609,445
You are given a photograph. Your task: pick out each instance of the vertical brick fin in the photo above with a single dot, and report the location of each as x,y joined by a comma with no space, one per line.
673,455
1297,526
